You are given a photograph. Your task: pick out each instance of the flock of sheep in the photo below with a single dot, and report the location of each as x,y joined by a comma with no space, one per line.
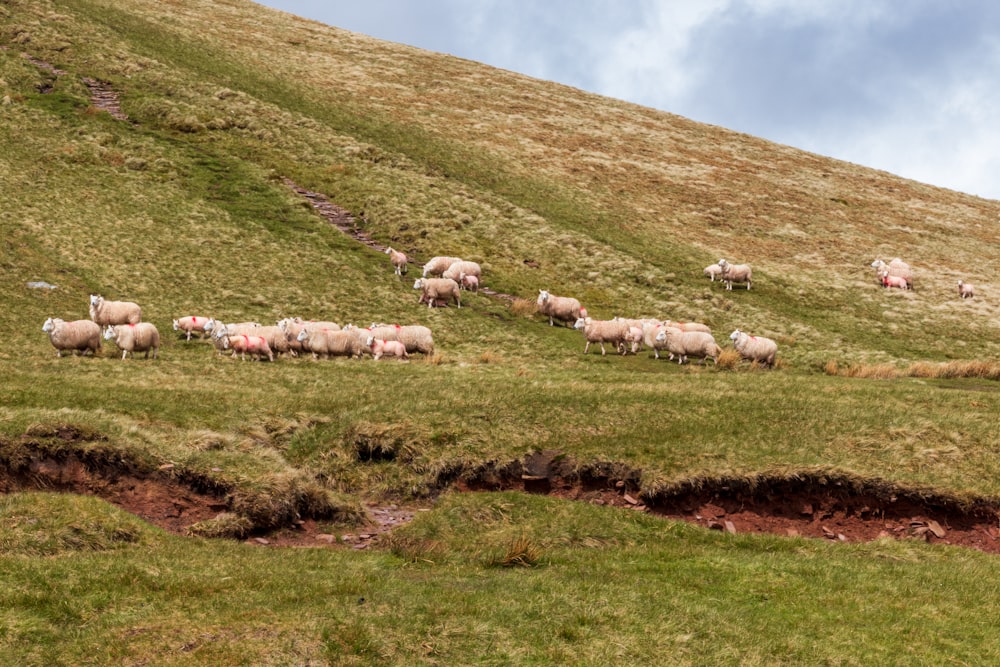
680,340
442,281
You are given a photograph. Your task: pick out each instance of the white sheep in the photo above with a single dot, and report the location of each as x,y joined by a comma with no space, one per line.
277,340
438,288
712,270
132,338
398,260
603,331
456,269
686,344
966,290
650,331
562,308
438,265
896,267
754,348
325,343
735,273
106,313
244,344
192,323
414,337
76,335
386,348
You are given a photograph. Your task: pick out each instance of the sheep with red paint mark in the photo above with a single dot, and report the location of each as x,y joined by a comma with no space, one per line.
132,338
244,344
899,282
190,324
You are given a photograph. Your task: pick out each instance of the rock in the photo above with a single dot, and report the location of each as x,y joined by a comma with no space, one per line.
730,527
326,537
630,500
936,528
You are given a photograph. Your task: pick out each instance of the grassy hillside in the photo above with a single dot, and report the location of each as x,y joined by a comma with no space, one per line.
186,208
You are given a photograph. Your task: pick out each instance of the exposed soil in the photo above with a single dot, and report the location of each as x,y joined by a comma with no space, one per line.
800,507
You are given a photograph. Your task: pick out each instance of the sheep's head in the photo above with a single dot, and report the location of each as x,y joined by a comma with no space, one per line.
303,335
418,284
95,299
177,325
543,296
735,335
50,324
110,334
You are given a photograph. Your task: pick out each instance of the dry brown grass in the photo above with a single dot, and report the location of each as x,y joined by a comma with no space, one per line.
987,370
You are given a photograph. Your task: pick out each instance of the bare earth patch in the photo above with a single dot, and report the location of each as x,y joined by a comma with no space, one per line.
845,517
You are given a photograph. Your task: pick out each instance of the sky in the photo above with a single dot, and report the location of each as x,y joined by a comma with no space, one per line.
911,87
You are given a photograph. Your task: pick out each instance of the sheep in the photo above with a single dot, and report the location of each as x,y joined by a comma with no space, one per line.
414,337
191,323
562,308
712,270
81,335
688,326
106,313
438,265
966,290
896,267
894,281
686,344
398,260
255,346
327,343
754,348
438,288
735,273
471,283
456,270
386,348
603,331
132,338
650,330
276,339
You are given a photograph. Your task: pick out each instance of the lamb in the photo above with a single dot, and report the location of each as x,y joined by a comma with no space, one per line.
966,290
327,343
106,313
132,338
438,288
712,270
456,270
754,348
603,331
471,283
562,308
191,323
438,265
81,335
686,344
255,346
386,348
398,260
894,281
735,273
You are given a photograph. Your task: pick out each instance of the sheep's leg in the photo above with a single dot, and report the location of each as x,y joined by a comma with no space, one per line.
586,347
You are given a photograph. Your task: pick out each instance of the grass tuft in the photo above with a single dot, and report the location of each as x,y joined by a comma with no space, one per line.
521,551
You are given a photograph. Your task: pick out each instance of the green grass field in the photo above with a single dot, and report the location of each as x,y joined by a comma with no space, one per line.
186,209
